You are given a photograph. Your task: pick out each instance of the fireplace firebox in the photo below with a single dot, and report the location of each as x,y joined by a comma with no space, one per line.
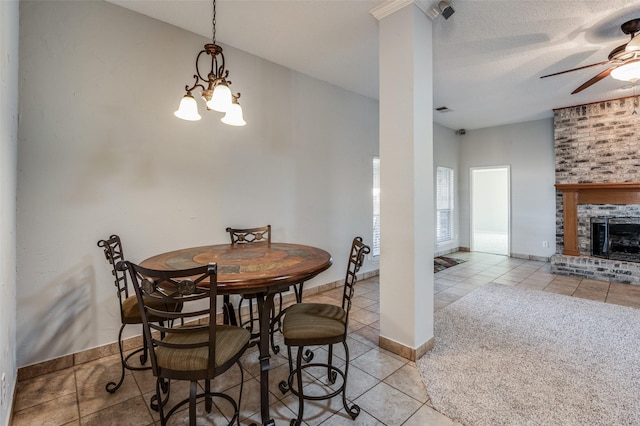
616,238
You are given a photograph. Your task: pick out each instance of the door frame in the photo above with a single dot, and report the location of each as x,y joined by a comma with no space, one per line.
471,203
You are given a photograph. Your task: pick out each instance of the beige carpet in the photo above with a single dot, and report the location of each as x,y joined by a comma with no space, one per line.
506,356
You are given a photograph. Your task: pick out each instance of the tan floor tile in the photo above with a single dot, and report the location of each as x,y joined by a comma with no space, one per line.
594,285
506,281
94,397
460,289
133,411
447,296
439,304
55,412
363,419
408,380
44,388
367,335
378,401
624,289
532,285
560,289
597,295
355,325
378,363
623,300
428,416
364,316
100,372
363,302
542,276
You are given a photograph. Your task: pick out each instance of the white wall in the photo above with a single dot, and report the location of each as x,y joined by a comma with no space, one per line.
100,152
8,154
490,191
446,152
528,149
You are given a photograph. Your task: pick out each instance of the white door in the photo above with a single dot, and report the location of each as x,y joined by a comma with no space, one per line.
490,206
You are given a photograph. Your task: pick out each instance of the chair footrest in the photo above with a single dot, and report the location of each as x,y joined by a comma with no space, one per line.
335,371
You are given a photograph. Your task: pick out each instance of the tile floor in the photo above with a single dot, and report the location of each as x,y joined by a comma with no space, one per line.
388,388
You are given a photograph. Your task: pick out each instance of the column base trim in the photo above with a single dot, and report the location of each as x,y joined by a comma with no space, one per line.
412,354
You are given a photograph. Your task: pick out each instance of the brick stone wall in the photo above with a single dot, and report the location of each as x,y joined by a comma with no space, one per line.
598,142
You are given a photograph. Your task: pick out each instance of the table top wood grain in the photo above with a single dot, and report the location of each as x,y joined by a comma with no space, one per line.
249,268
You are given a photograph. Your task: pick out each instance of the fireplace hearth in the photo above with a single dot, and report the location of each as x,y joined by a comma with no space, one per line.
616,238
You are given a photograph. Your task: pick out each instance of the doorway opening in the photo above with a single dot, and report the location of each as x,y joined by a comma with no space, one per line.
490,209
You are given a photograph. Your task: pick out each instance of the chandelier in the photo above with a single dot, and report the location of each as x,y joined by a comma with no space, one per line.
216,94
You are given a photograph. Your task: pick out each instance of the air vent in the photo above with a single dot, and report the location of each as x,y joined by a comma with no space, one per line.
443,109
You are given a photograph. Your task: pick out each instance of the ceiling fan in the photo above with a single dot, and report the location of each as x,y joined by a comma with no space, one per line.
624,60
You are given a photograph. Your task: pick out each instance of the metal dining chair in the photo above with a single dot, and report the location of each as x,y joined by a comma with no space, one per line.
198,349
239,236
129,312
320,324
257,235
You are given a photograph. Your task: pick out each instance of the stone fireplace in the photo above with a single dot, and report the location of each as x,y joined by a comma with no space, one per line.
597,149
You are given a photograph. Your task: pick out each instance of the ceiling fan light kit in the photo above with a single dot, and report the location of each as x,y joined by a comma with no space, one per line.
216,94
624,60
628,72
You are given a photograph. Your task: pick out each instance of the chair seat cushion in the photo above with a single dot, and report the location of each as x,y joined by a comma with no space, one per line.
230,341
131,312
309,321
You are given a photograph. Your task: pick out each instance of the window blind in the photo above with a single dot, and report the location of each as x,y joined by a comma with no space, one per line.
375,246
444,204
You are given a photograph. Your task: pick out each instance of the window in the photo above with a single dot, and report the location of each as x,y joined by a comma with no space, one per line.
444,204
375,248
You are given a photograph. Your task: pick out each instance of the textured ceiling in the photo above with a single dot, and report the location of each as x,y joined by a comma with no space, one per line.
488,56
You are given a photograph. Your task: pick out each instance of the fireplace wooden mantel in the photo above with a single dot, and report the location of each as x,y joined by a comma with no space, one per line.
591,193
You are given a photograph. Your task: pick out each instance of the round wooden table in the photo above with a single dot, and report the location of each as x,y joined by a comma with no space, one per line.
260,269
249,268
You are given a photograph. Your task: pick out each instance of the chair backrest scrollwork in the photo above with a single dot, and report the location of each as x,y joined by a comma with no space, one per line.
250,235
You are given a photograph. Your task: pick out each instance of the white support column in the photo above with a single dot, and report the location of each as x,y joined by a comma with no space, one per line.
406,185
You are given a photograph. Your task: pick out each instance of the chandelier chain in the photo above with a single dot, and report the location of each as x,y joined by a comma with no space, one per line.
213,23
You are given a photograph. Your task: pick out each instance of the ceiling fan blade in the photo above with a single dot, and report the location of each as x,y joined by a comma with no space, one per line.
576,69
594,80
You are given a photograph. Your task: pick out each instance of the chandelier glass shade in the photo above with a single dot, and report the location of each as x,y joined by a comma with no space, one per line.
188,109
215,86
233,117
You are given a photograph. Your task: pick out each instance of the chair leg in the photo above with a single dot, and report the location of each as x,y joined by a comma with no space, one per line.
145,351
354,410
298,421
156,400
297,289
237,414
207,396
113,386
330,373
228,313
159,406
251,316
193,392
275,325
